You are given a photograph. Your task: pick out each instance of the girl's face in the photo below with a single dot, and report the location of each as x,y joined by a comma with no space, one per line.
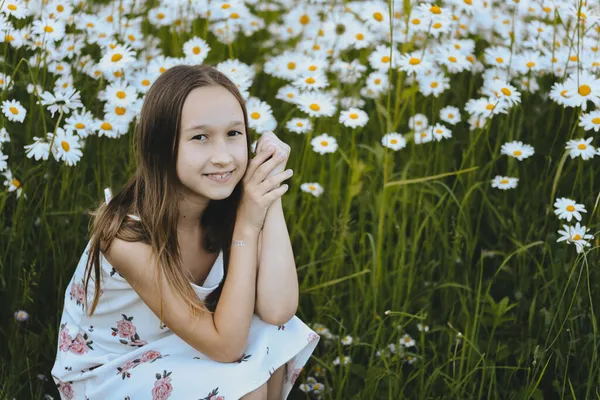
212,140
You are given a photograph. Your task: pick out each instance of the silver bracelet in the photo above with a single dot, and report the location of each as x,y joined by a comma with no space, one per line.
238,243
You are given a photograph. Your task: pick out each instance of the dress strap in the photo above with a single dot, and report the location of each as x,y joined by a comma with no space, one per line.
108,196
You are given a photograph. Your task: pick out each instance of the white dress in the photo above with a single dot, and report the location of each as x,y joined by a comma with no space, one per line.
123,351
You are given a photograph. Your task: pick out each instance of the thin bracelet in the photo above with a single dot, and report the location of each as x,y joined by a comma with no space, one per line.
238,243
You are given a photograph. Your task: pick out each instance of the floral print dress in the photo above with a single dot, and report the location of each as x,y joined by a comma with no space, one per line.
124,352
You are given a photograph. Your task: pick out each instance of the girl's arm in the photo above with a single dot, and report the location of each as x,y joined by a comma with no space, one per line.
277,281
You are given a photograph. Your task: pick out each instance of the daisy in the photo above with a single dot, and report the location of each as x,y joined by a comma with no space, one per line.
311,82
142,80
316,190
344,361
349,101
394,141
110,127
413,62
4,136
407,341
50,30
377,81
347,340
439,132
581,147
450,114
517,150
434,84
505,92
284,66
575,234
318,387
504,182
353,118
299,125
497,56
422,328
485,107
40,149
258,113
196,50
421,137
560,94
3,163
116,59
14,185
583,88
316,104
65,146
418,122
453,59
61,100
15,8
81,122
384,58
590,121
119,94
13,110
348,72
288,93
410,359
324,144
567,209
21,315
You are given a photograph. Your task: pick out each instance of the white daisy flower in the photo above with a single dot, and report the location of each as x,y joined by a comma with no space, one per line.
422,328
81,122
517,150
353,118
439,132
575,234
504,182
583,87
384,58
410,359
421,137
13,110
305,387
316,104
110,127
407,341
324,144
288,93
311,82
485,107
14,185
318,387
316,190
590,121
116,59
347,340
40,149
434,84
414,62
119,94
3,163
567,209
15,8
21,315
450,115
65,146
299,125
418,122
581,148
61,101
344,361
49,29
196,49
505,92
4,136
258,113
377,81
394,141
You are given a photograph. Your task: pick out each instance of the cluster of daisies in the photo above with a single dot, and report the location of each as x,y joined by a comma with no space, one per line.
568,209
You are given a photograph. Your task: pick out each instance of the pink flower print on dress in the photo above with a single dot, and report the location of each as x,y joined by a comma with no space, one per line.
162,387
77,293
81,344
64,340
149,357
296,374
126,330
66,390
312,336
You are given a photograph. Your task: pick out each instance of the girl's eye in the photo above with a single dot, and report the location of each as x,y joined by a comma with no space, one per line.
240,134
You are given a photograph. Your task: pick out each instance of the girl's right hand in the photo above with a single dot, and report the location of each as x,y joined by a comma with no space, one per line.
259,191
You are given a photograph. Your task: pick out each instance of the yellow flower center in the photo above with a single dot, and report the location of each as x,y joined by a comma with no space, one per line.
146,82
234,16
353,116
60,8
414,61
393,141
106,126
435,10
489,107
160,16
290,95
121,94
65,145
312,188
314,107
48,29
570,208
584,90
360,36
499,60
305,19
385,59
299,124
574,58
577,237
291,65
14,110
504,181
416,21
517,153
16,183
79,125
437,25
116,57
255,115
12,7
582,146
378,16
451,115
377,81
310,80
120,110
434,85
225,6
196,50
530,64
312,68
324,143
596,121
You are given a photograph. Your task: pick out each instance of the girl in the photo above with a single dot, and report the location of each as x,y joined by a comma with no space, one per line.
180,307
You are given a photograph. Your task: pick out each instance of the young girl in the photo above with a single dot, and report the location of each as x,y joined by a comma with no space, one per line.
180,307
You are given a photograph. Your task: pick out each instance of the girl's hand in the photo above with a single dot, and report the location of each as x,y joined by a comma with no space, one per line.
269,139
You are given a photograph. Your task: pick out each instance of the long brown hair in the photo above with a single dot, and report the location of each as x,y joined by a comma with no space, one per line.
151,192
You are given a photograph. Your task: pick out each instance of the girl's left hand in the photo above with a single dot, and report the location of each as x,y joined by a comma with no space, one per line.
268,139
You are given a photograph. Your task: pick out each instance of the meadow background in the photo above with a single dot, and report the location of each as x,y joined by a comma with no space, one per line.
443,209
